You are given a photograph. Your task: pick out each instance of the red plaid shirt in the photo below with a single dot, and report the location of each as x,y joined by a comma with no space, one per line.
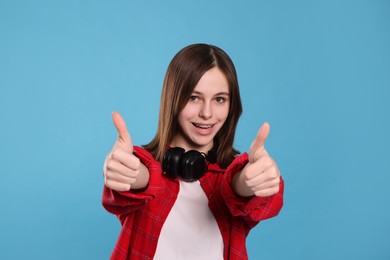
143,213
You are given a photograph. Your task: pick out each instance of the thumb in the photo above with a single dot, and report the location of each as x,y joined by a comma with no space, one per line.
257,146
123,135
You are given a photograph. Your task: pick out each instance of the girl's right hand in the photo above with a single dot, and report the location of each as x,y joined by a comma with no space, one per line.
122,168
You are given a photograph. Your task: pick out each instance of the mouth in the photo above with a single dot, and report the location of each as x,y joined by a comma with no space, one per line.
203,126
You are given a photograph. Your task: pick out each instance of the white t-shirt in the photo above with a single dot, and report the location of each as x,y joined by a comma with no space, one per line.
190,231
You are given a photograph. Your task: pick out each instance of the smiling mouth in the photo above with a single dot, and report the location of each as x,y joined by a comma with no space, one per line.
203,126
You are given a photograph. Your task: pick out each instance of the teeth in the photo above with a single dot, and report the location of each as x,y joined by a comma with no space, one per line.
203,126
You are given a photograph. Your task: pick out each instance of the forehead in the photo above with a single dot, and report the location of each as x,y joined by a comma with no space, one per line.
212,82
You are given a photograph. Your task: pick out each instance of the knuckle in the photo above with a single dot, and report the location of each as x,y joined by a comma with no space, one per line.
258,193
137,162
114,154
274,190
109,184
110,163
247,173
273,173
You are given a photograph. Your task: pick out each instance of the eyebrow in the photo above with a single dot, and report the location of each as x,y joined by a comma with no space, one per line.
218,94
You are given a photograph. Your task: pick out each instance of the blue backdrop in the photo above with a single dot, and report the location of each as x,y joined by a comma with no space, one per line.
318,71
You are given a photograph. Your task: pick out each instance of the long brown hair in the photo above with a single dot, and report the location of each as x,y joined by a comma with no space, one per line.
183,74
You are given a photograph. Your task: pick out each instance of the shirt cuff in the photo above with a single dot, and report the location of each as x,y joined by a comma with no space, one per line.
155,182
239,206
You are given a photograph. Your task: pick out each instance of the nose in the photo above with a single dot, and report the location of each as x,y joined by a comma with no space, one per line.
205,111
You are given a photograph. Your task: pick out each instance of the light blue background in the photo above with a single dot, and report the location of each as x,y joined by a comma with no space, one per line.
318,71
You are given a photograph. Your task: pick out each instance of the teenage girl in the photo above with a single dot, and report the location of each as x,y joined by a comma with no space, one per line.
188,194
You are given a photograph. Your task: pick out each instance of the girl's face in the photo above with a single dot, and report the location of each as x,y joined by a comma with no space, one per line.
204,114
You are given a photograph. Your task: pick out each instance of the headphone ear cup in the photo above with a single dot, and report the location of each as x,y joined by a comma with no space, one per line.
172,161
193,165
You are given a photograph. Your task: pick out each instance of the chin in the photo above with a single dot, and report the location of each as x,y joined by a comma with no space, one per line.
207,144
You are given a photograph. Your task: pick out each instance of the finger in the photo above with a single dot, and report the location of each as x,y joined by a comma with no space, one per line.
257,145
267,192
118,177
117,186
129,160
267,184
117,167
258,167
257,180
263,164
270,174
123,134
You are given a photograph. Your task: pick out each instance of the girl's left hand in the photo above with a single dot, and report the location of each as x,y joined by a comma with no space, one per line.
261,176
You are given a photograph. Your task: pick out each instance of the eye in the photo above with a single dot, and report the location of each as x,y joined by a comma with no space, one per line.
194,98
220,100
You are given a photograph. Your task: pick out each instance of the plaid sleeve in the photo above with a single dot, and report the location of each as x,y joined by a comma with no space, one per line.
120,203
252,209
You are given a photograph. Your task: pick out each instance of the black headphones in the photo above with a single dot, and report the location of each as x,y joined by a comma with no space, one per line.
189,166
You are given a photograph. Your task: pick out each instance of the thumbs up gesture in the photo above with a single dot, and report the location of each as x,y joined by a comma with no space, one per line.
261,176
122,168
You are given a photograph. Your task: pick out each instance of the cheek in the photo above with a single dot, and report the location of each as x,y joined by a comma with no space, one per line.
181,120
188,112
222,113
185,115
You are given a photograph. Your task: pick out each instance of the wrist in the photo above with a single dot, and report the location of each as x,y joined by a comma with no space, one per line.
239,185
142,179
